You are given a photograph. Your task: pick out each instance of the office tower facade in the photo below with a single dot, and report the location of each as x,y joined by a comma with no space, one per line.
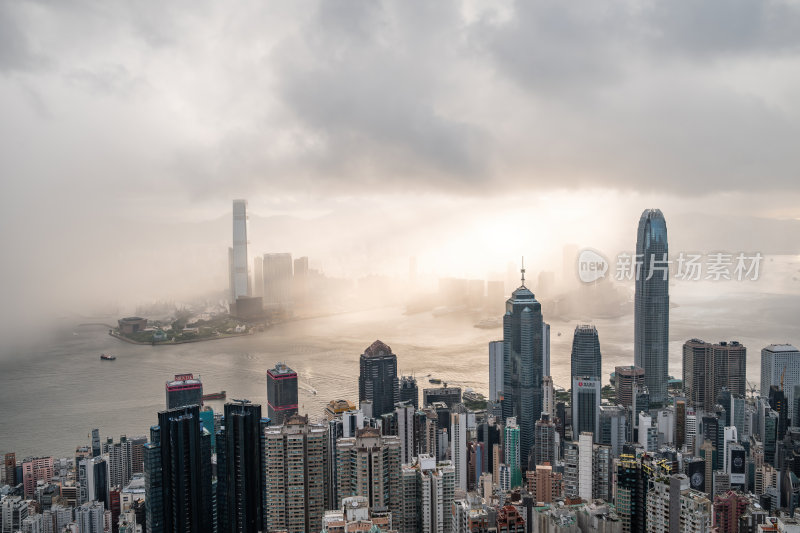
240,485
451,396
239,273
631,494
710,368
495,371
369,466
780,365
295,457
512,452
572,470
178,473
612,428
628,378
602,472
586,358
522,363
546,450
184,391
377,380
585,404
10,464
409,391
651,303
281,393
680,422
277,274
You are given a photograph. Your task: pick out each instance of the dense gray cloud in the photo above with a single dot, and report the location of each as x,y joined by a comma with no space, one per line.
332,98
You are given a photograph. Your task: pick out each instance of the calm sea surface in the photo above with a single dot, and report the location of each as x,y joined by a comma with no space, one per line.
53,395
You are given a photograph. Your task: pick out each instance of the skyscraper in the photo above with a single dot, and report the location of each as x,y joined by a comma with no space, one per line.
281,393
522,364
377,380
183,391
586,352
428,489
780,365
409,391
545,450
458,444
10,462
240,483
512,452
240,275
708,368
628,378
495,370
651,304
258,276
178,473
585,405
295,461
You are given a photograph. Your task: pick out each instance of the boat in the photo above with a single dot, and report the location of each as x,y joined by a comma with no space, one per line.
435,381
108,357
215,396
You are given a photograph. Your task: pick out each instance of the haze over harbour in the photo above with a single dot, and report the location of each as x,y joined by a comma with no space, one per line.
62,382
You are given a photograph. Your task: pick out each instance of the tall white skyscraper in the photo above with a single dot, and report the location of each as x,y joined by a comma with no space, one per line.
548,397
458,446
780,365
585,449
240,276
495,370
545,349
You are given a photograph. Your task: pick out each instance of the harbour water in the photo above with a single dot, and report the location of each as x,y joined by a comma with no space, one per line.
53,395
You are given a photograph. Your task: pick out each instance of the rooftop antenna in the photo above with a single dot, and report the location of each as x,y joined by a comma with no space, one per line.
522,270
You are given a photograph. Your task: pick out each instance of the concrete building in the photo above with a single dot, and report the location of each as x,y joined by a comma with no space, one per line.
548,397
90,517
628,377
495,371
612,429
585,457
458,444
545,485
512,452
295,457
429,490
546,450
449,395
688,511
369,466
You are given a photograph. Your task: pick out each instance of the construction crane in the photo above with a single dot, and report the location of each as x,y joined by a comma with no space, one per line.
751,388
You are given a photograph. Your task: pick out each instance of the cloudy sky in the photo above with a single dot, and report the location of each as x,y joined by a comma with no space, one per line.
126,126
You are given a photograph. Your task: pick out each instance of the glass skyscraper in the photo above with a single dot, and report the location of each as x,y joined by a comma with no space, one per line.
651,308
522,364
377,380
586,359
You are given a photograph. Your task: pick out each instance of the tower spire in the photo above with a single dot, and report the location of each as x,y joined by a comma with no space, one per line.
522,270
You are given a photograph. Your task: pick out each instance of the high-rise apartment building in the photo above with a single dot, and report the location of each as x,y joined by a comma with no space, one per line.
277,275
240,276
409,391
459,422
295,457
586,358
651,303
673,507
572,470
728,508
35,469
10,464
545,485
585,404
548,397
585,457
240,480
429,490
628,379
523,361
377,380
183,391
281,393
780,365
120,464
612,428
89,517
369,465
178,473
